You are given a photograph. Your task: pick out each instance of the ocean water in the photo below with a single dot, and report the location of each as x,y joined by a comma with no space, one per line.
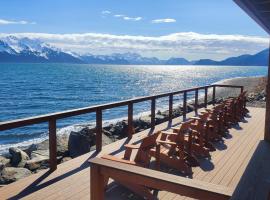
34,89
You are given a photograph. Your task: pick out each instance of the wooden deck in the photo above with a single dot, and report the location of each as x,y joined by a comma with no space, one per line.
232,165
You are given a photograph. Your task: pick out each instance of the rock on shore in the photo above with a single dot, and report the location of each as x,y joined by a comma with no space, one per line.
11,174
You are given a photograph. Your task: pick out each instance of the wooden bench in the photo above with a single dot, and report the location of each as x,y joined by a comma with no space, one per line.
102,169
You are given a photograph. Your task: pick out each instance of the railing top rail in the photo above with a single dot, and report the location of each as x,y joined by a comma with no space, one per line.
75,112
230,86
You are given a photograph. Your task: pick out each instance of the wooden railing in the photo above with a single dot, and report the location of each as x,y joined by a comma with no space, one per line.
98,109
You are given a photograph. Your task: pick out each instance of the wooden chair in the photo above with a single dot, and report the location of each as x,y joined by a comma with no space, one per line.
175,148
218,123
142,159
171,153
236,108
212,125
200,128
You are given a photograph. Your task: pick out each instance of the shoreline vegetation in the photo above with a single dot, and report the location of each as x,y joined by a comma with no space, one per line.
24,161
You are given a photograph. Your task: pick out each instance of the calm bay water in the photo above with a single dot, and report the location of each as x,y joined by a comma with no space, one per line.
34,89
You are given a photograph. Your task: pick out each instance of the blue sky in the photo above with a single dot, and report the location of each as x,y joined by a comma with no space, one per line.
147,18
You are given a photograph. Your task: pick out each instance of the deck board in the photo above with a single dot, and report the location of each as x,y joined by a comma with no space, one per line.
72,179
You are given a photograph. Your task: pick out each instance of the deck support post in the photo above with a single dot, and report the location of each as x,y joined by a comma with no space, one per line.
267,113
153,112
52,145
98,130
130,120
97,185
185,106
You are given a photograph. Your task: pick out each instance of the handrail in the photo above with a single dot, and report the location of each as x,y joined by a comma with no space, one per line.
53,117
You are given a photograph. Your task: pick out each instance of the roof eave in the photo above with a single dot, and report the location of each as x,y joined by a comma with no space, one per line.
251,11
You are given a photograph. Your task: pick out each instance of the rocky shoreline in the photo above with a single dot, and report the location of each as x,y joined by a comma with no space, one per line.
22,162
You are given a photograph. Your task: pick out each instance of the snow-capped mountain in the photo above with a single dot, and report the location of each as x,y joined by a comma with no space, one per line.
13,49
23,50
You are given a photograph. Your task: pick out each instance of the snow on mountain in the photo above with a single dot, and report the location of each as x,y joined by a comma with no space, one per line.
14,49
19,45
23,49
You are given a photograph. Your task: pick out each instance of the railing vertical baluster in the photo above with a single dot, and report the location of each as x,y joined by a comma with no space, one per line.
196,100
153,112
242,89
184,105
130,120
214,95
170,107
52,144
205,96
98,130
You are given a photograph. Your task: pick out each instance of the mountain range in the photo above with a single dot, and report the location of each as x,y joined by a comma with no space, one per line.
26,50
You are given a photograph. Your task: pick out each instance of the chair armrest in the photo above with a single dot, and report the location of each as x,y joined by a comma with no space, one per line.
197,118
132,146
207,110
165,142
176,129
168,133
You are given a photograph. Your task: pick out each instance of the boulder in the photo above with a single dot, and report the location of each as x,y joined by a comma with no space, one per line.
18,158
120,129
159,118
80,142
165,113
145,120
4,162
38,158
190,108
12,174
30,149
62,145
65,159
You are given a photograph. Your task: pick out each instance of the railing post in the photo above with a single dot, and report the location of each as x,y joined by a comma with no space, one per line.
184,105
196,101
153,112
170,107
98,130
214,95
242,89
130,120
52,144
205,96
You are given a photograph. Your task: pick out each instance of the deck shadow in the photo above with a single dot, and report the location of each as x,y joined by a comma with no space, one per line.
206,164
255,181
220,146
237,126
36,186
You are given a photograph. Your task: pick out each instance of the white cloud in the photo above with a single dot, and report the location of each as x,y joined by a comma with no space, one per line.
167,20
184,44
7,22
119,16
132,18
106,12
127,18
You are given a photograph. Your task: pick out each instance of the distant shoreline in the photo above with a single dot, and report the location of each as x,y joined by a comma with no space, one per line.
97,64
